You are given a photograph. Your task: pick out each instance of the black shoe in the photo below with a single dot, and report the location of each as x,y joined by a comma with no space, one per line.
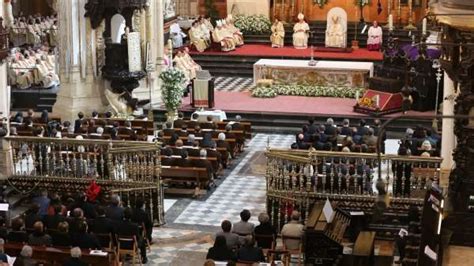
144,260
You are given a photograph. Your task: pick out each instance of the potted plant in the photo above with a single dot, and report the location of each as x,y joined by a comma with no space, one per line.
172,90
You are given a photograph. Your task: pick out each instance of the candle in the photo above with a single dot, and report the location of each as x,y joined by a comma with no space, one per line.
390,22
377,100
425,21
357,96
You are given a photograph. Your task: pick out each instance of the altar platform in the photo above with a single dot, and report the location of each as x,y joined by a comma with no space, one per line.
266,51
291,112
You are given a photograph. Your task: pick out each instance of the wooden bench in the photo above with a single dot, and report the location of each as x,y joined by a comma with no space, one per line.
176,174
59,255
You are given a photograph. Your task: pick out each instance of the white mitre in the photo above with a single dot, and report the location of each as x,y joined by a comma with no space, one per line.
300,16
218,23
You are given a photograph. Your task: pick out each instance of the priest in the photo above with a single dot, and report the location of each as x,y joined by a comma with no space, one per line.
300,35
278,34
237,35
220,35
374,42
195,35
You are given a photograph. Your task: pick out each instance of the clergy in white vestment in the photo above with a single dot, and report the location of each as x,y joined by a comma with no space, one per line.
374,42
335,33
300,33
206,33
237,34
190,61
278,34
177,35
207,22
181,65
195,35
220,35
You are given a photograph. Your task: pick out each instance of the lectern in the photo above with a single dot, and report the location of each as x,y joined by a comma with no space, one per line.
203,90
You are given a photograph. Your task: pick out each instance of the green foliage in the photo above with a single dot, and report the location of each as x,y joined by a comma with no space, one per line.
306,90
172,88
320,3
253,25
361,3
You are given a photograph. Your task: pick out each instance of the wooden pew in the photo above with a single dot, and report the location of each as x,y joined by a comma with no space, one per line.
59,255
176,174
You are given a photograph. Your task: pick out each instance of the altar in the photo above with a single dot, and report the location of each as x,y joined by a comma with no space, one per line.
350,74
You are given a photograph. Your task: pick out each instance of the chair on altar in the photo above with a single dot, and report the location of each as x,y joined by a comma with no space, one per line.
336,31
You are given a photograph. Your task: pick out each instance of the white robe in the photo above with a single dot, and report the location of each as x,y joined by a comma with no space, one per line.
375,35
300,35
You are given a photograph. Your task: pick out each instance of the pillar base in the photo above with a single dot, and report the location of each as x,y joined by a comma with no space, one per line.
6,160
78,97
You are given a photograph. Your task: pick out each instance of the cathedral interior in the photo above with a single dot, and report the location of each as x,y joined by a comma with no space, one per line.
237,132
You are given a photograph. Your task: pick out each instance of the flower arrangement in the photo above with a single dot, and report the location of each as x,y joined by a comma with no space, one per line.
306,90
320,3
367,102
172,88
253,25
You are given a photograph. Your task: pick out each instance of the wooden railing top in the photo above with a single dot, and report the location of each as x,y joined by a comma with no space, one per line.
114,143
304,156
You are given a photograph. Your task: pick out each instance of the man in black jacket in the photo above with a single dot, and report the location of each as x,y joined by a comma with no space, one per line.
127,228
78,123
142,218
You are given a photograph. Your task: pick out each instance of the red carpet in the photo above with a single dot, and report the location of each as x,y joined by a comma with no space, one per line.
243,102
266,51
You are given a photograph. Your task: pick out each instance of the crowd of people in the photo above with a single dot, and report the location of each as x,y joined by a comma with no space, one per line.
32,67
202,34
244,242
364,138
34,30
92,127
78,223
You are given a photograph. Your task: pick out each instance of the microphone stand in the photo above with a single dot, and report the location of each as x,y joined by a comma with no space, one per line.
312,62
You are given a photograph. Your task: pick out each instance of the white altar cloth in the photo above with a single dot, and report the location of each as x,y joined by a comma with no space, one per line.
217,115
336,66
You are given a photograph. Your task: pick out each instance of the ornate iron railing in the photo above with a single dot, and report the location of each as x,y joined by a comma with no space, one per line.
131,169
296,179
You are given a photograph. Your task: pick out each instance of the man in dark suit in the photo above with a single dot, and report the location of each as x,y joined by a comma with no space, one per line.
180,121
114,211
127,228
142,218
346,129
209,123
128,130
103,226
74,221
84,239
312,127
330,129
184,160
168,160
168,130
75,259
204,163
78,123
369,138
52,221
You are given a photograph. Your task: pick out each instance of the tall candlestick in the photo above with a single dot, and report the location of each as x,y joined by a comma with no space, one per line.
357,96
425,21
377,101
390,22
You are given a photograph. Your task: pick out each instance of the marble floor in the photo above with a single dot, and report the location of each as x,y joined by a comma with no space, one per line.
192,223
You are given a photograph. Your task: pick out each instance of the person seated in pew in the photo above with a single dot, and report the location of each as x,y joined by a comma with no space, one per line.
178,123
61,237
102,224
3,256
18,233
249,252
98,134
168,160
84,239
114,134
369,139
221,143
204,163
143,218
190,140
244,227
39,237
220,251
232,239
207,141
75,259
346,129
184,131
25,258
52,221
184,161
293,229
265,228
128,130
212,152
127,228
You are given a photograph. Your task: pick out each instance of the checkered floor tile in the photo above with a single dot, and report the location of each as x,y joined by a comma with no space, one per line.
237,192
234,84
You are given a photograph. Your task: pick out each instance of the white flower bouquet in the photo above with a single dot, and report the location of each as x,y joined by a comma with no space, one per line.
253,25
172,88
306,90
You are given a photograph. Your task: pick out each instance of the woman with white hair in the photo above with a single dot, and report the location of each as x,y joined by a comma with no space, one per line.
25,257
264,231
75,258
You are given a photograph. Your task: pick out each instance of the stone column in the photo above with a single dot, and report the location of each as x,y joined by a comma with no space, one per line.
79,89
448,139
5,155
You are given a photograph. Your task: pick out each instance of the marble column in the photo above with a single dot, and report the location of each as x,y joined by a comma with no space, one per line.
448,139
80,89
5,154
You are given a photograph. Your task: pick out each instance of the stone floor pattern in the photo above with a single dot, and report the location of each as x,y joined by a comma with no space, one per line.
187,236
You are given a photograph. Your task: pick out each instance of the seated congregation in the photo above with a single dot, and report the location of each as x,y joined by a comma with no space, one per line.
243,242
364,138
85,222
